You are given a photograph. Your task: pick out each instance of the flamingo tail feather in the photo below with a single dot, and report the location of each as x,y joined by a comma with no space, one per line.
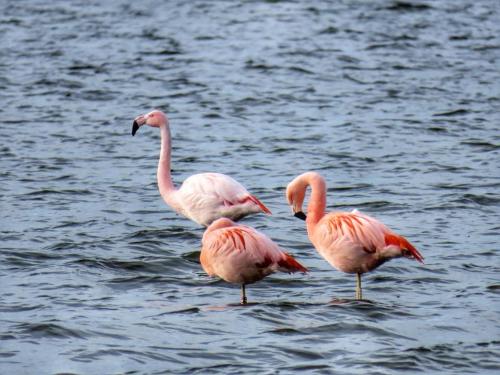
403,243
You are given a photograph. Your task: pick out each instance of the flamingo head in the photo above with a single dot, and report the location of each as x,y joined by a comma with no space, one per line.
154,119
295,195
220,223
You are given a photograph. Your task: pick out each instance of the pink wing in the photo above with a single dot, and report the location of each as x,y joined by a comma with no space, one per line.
354,227
354,242
206,197
241,254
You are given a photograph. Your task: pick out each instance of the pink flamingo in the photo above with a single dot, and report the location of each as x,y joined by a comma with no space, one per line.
350,241
202,197
240,254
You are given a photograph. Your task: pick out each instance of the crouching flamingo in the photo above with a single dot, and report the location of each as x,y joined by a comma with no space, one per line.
351,242
202,197
240,254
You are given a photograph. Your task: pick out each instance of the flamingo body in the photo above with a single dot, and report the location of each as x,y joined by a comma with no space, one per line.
203,197
206,197
240,254
351,242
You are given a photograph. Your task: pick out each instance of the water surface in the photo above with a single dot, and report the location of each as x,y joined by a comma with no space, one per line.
395,103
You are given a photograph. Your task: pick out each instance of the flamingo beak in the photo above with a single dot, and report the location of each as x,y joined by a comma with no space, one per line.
135,127
301,215
138,122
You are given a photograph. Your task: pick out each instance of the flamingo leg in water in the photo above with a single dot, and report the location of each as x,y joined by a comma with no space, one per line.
243,295
359,292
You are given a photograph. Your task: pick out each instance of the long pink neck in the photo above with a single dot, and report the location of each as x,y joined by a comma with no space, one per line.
317,201
165,184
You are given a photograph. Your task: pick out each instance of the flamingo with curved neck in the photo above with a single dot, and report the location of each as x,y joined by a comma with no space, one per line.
202,197
351,242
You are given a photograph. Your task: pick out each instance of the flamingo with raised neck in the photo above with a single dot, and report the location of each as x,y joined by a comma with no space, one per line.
242,255
351,242
202,197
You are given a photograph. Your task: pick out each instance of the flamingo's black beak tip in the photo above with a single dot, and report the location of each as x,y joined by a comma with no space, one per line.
300,215
135,127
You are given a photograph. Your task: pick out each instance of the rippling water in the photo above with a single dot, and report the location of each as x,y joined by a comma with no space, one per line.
395,103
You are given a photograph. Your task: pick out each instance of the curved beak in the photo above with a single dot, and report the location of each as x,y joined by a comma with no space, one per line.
138,122
135,127
301,215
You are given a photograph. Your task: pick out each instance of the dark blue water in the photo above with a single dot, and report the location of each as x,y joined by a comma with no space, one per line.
395,103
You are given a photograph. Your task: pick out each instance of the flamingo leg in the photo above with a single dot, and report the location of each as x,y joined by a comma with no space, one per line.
243,295
359,292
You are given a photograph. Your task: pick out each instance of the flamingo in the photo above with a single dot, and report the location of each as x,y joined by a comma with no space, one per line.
202,197
240,254
351,242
